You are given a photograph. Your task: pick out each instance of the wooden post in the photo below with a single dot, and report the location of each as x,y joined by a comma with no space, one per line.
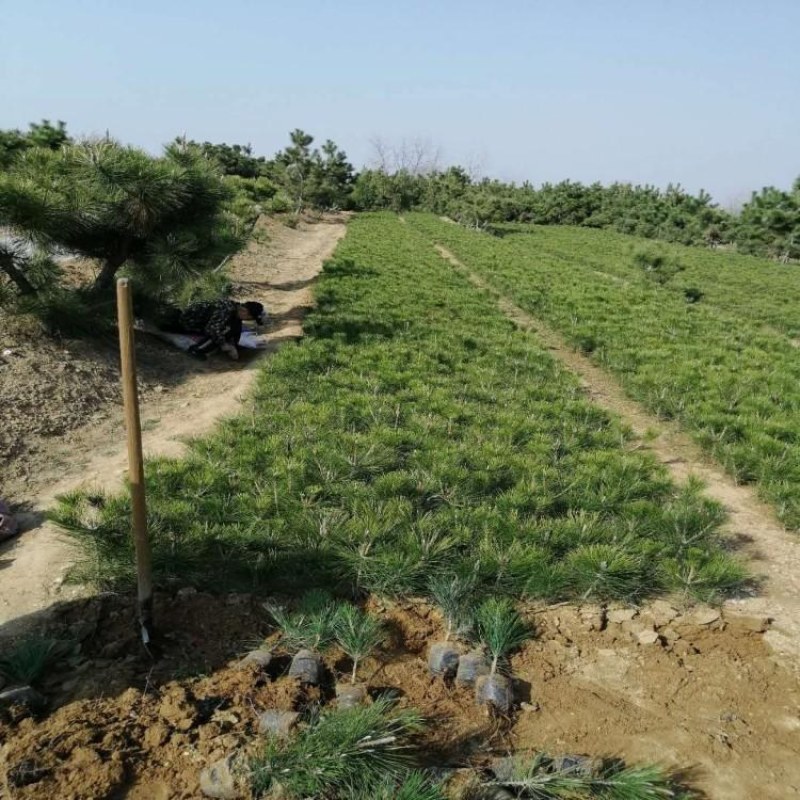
144,570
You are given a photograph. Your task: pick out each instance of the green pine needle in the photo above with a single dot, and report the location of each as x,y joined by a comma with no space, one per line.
500,628
452,593
358,634
28,660
351,749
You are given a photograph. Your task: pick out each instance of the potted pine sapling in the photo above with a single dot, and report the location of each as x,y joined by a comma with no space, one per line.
547,778
451,593
501,630
341,753
307,631
358,634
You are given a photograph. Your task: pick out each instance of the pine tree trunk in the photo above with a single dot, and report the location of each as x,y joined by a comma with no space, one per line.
105,278
10,268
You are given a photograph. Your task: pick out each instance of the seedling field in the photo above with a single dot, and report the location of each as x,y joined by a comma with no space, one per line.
756,289
416,430
723,364
421,564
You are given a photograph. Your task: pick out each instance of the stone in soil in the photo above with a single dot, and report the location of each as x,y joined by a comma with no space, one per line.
218,780
503,768
704,616
348,696
277,723
260,658
662,612
620,615
647,637
636,626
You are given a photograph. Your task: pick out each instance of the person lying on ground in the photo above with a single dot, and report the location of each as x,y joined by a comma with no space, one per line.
219,322
8,523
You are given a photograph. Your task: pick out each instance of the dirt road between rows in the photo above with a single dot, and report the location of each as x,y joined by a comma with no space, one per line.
752,527
278,268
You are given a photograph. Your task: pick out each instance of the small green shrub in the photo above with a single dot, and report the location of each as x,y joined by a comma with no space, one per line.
657,264
279,204
693,294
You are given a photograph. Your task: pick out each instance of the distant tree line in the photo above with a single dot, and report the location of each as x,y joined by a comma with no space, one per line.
167,220
768,225
409,178
42,134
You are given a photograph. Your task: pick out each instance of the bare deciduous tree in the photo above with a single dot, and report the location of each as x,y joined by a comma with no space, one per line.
417,156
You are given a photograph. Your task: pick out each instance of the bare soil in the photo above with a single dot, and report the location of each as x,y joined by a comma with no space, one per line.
707,695
65,427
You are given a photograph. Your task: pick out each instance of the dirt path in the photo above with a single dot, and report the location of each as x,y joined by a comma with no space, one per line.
752,526
279,272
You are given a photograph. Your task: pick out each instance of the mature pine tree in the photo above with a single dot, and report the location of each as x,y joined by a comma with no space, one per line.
770,224
160,218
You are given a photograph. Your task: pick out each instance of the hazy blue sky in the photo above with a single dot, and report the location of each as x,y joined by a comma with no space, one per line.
701,92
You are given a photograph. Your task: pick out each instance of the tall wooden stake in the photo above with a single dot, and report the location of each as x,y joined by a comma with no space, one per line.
144,570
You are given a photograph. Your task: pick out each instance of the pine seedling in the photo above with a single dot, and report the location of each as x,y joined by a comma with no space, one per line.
704,576
452,594
605,571
358,634
311,625
501,629
546,778
315,601
29,659
415,786
354,749
645,782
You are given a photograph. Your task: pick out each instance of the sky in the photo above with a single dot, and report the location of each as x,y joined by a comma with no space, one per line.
698,92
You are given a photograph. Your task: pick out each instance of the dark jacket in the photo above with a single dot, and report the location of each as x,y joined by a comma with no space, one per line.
218,320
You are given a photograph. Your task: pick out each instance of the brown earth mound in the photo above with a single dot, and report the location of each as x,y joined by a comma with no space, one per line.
694,690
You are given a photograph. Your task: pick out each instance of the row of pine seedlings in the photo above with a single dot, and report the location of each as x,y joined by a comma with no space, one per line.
494,629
